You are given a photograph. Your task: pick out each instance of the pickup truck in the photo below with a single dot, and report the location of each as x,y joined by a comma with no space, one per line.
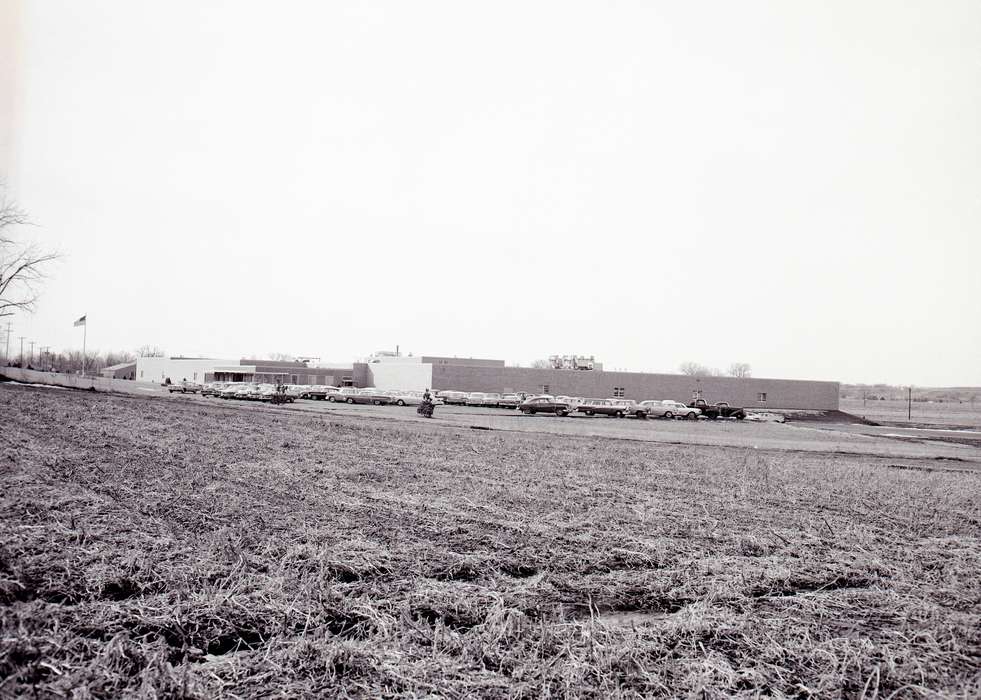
722,409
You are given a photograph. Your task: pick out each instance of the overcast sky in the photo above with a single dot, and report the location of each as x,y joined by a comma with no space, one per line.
792,185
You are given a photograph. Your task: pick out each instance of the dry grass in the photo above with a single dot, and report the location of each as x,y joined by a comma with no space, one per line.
154,548
893,411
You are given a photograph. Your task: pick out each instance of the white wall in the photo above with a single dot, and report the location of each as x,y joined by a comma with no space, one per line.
76,381
157,369
412,376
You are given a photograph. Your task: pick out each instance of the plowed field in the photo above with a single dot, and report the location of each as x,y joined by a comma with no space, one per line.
184,549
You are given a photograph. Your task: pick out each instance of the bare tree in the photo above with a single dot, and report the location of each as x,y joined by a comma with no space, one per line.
740,369
693,369
541,364
21,264
149,351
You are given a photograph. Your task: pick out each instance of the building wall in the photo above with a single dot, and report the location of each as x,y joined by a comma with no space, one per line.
157,369
127,371
780,393
412,376
467,361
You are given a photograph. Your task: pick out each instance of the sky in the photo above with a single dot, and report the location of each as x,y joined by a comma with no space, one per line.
796,186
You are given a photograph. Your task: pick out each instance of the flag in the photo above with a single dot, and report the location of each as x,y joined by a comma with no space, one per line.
81,321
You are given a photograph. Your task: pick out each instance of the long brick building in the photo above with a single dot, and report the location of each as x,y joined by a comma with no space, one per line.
469,374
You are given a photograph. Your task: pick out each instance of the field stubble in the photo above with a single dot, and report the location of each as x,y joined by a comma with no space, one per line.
184,550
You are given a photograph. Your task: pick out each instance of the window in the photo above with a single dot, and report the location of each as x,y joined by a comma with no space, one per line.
761,397
619,392
544,388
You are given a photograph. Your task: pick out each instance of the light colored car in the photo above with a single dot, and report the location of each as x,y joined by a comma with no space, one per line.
509,401
630,408
491,399
475,398
185,387
453,398
601,407
670,409
213,388
228,391
264,392
574,401
244,391
412,398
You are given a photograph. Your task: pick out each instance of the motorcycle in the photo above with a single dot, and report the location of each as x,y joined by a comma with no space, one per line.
426,408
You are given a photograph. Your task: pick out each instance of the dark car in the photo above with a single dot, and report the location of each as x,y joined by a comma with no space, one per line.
544,404
369,395
722,409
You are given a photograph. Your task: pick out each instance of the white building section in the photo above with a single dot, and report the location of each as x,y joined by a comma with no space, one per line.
400,373
192,369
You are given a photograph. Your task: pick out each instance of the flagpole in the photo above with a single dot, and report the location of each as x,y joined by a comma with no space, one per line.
85,334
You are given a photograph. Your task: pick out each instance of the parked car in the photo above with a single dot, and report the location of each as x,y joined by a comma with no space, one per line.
370,395
229,390
475,398
243,391
670,409
544,404
212,388
185,387
602,407
630,408
491,399
453,398
574,401
319,392
296,391
509,401
722,409
412,398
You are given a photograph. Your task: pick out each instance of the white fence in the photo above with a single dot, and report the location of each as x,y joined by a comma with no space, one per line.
75,381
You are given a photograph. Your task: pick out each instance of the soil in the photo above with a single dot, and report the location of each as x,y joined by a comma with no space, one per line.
178,548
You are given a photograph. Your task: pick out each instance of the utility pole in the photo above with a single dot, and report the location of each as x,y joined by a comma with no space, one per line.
6,353
909,404
32,344
22,350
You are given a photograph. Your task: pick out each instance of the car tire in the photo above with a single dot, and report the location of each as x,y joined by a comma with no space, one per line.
563,414
400,402
350,400
692,416
641,415
590,413
668,414
376,402
618,414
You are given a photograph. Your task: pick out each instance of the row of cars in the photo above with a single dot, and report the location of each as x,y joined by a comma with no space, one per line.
616,407
528,404
292,392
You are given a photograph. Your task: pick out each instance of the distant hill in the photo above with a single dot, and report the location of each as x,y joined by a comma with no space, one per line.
886,392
